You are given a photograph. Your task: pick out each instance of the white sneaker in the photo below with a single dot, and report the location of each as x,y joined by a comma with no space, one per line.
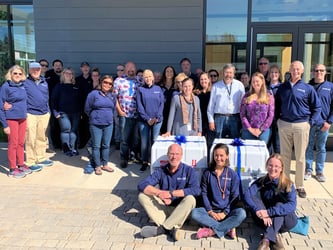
307,175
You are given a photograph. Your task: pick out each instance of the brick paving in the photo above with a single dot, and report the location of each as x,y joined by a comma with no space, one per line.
41,212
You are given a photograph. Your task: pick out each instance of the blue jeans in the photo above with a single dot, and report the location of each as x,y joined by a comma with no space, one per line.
233,219
117,127
101,137
227,125
129,137
264,136
317,139
148,136
69,124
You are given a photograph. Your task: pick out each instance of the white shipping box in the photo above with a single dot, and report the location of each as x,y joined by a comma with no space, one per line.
253,153
194,153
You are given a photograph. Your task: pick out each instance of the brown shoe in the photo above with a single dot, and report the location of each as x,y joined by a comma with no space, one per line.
264,244
98,170
278,245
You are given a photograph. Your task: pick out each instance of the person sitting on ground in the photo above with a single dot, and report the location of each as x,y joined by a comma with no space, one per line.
169,204
220,193
272,203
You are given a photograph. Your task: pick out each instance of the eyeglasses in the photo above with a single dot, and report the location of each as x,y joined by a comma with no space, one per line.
213,75
319,70
107,82
263,63
17,73
44,65
120,69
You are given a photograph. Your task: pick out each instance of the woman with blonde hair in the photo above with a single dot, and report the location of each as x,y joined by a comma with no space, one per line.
272,202
13,120
66,108
257,110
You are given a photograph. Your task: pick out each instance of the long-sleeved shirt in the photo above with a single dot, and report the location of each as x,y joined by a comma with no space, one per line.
37,96
225,99
264,192
184,178
256,115
14,94
218,193
325,94
175,121
66,98
150,102
100,107
299,103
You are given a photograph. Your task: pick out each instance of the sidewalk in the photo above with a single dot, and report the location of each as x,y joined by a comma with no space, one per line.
61,208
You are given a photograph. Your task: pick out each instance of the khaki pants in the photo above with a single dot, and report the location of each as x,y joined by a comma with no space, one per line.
167,216
297,135
35,138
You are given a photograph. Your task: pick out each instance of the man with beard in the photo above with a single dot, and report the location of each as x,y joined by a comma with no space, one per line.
53,78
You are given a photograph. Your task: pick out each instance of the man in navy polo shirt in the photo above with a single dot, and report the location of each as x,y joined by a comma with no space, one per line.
297,108
170,203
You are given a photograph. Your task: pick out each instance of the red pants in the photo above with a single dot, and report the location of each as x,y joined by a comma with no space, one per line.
16,142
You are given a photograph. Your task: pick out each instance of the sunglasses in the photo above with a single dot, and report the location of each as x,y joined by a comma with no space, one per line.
319,70
120,70
44,65
263,63
107,82
213,75
17,73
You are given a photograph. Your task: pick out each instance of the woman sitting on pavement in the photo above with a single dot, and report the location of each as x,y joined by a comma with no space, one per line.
272,202
100,106
220,193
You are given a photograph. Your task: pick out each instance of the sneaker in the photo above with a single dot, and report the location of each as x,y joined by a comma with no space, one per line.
89,169
50,151
151,231
46,163
69,153
232,233
16,173
205,232
301,192
320,177
75,152
123,164
307,175
175,234
144,167
36,168
25,169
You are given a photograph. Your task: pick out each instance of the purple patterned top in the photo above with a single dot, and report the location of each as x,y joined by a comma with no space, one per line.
257,115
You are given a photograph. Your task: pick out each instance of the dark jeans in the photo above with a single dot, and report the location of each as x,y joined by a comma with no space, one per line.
129,136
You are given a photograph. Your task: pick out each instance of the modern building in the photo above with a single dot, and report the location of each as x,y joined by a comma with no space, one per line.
156,33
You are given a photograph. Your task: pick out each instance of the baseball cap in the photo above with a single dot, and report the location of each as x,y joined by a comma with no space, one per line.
85,64
34,65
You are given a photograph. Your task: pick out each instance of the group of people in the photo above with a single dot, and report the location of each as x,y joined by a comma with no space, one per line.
173,194
136,109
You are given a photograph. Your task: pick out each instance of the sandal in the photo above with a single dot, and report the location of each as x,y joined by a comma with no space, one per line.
98,171
107,169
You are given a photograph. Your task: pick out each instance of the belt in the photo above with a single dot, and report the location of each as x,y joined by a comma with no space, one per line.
216,114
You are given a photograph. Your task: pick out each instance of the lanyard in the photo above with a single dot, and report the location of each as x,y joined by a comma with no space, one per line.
229,89
225,183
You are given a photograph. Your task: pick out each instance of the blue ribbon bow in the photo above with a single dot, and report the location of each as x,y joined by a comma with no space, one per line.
180,139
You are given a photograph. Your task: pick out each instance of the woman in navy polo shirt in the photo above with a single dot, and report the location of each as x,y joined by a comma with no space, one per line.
100,106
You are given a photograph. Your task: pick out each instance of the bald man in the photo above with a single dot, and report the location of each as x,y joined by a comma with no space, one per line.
169,204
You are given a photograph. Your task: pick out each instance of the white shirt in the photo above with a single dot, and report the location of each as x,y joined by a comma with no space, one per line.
225,99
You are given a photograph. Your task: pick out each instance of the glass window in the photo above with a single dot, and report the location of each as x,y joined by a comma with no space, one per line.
23,34
291,10
4,43
226,31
